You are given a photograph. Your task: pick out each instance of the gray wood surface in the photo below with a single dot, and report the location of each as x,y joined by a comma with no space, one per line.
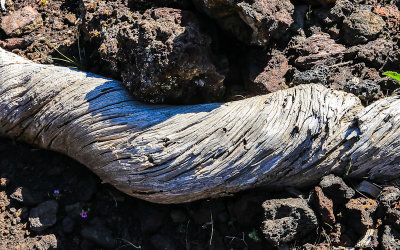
174,154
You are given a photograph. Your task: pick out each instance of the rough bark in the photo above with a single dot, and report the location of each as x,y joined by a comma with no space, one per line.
173,154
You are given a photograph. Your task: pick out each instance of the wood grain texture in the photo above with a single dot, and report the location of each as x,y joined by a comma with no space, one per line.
174,154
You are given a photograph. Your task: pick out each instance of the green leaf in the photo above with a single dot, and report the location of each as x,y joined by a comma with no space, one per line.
392,74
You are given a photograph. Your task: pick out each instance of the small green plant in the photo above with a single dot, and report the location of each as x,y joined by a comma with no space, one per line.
392,74
308,13
254,235
348,169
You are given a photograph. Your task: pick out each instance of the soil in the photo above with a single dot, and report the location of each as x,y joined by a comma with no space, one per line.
200,53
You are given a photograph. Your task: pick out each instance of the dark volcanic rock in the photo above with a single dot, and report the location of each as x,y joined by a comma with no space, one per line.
162,54
389,201
319,74
253,22
99,234
335,188
361,214
287,220
21,22
316,50
43,216
341,9
362,26
366,90
265,73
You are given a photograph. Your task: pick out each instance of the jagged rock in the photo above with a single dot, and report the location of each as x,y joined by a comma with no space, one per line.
162,54
378,53
254,22
390,238
362,26
46,242
335,188
316,50
389,201
22,21
43,216
287,220
366,90
361,214
319,74
324,206
265,73
341,9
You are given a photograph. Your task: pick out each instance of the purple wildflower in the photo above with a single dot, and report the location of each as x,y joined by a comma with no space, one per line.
56,191
83,214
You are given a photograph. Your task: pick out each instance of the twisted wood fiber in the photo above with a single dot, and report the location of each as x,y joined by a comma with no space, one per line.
173,154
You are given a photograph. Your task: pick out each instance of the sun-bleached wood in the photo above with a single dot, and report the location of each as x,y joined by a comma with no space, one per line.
173,154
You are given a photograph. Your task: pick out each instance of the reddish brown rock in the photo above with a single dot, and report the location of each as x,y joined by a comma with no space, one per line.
324,206
21,22
266,73
253,22
390,13
15,43
378,53
361,212
317,50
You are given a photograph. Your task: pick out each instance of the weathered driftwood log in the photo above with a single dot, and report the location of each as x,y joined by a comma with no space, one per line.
172,154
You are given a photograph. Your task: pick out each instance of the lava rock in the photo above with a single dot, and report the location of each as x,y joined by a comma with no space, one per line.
366,90
388,84
43,216
47,242
324,206
341,9
362,26
266,73
389,201
319,74
378,53
316,50
162,54
99,234
390,238
4,201
26,197
287,220
22,21
361,212
253,22
335,188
